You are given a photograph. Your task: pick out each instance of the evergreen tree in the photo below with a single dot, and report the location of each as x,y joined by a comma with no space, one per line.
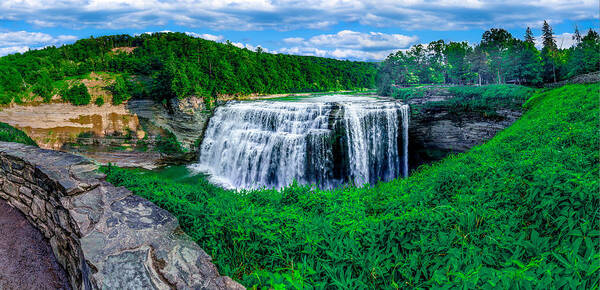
549,53
577,36
529,38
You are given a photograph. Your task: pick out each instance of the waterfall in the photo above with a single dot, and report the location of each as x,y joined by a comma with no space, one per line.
325,141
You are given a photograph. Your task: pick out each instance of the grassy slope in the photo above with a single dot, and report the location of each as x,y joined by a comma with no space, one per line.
11,134
518,211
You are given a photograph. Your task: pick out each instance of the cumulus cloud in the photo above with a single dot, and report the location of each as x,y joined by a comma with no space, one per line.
293,14
22,41
564,40
348,44
206,36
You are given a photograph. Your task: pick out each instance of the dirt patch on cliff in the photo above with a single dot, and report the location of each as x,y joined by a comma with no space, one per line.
26,258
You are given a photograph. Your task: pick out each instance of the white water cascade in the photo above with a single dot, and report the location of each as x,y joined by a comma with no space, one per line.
326,140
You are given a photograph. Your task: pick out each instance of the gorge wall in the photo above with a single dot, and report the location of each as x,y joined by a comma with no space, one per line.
186,118
104,237
436,132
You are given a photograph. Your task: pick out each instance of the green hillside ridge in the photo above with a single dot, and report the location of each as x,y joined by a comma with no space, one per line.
165,65
12,134
520,211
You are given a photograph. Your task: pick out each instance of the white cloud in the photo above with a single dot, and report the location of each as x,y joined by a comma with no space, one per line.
348,44
294,14
217,38
564,40
22,41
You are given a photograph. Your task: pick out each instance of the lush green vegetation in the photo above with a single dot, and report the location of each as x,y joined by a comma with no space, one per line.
77,95
498,58
518,212
168,144
12,134
485,100
177,65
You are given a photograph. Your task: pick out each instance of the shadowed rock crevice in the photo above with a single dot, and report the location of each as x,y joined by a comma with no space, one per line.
104,237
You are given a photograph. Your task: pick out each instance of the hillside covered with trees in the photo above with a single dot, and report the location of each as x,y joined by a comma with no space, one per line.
165,65
498,58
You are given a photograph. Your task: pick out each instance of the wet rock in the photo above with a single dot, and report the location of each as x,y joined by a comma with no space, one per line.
186,118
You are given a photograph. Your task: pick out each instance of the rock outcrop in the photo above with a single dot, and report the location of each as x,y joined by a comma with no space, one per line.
103,236
186,118
435,132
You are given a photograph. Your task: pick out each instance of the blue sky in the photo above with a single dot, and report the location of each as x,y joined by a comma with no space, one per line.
344,29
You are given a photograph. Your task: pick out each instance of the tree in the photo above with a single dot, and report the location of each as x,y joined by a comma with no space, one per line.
577,36
459,69
180,85
77,95
529,38
495,42
549,53
585,57
43,86
120,90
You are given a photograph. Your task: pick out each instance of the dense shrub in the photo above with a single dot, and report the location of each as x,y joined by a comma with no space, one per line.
120,91
168,144
407,93
485,100
5,98
43,87
99,101
518,212
11,134
77,95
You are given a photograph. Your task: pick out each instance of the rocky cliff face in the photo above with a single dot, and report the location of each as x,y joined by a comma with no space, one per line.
186,118
436,132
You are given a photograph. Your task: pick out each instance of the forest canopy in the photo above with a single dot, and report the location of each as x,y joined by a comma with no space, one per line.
498,58
178,65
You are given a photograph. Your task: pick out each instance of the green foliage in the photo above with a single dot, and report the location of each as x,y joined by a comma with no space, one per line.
43,86
99,101
178,65
498,58
5,98
518,212
407,93
77,95
11,134
484,100
168,144
120,90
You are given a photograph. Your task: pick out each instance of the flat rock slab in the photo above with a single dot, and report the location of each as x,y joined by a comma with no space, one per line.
105,237
26,258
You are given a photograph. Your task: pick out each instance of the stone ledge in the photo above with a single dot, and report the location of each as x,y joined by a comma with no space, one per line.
104,237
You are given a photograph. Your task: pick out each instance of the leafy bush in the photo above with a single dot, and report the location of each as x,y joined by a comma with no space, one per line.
11,134
43,87
99,101
168,144
407,93
518,212
120,91
77,95
485,100
5,98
